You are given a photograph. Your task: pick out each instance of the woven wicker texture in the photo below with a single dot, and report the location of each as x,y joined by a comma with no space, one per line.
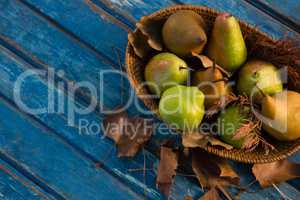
135,70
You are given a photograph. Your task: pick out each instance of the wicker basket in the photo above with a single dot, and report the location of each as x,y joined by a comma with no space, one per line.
135,69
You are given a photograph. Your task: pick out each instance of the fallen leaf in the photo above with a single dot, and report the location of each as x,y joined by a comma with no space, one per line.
212,194
207,62
129,134
213,171
139,43
275,172
187,198
166,169
114,125
151,28
216,142
193,140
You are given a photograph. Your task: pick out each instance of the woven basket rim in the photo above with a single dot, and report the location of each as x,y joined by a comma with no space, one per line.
235,154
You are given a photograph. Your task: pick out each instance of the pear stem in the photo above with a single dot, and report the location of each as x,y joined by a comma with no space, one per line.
214,65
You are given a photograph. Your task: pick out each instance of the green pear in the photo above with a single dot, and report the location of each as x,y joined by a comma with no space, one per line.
226,45
183,33
258,75
230,121
165,70
182,107
211,82
282,115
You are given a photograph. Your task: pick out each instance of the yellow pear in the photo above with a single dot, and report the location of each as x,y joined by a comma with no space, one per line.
226,45
211,82
282,115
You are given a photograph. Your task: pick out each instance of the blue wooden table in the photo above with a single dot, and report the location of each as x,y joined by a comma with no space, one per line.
45,155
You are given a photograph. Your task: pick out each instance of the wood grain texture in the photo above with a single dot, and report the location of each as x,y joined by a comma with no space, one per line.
91,146
71,43
288,8
14,185
47,47
248,13
55,163
255,192
286,11
241,9
134,8
87,21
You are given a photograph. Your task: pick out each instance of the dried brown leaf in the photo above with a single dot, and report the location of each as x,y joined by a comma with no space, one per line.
114,125
213,171
212,194
129,134
187,198
193,140
276,172
207,62
139,43
151,28
216,142
166,169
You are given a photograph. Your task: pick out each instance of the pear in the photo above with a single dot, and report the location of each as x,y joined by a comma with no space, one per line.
182,107
282,115
258,75
165,70
211,82
230,121
226,45
183,33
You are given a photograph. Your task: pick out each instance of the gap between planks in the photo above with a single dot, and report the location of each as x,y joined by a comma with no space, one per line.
285,20
44,186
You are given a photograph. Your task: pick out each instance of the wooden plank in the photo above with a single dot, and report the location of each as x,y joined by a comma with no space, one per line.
94,148
248,13
53,162
79,65
145,8
287,12
288,8
14,185
256,192
84,22
90,25
241,9
134,8
46,46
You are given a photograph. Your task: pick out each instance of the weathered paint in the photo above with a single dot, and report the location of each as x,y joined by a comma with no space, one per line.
53,162
285,11
73,30
92,147
14,185
290,8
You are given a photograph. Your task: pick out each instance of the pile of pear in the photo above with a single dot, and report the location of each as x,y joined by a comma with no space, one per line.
183,99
